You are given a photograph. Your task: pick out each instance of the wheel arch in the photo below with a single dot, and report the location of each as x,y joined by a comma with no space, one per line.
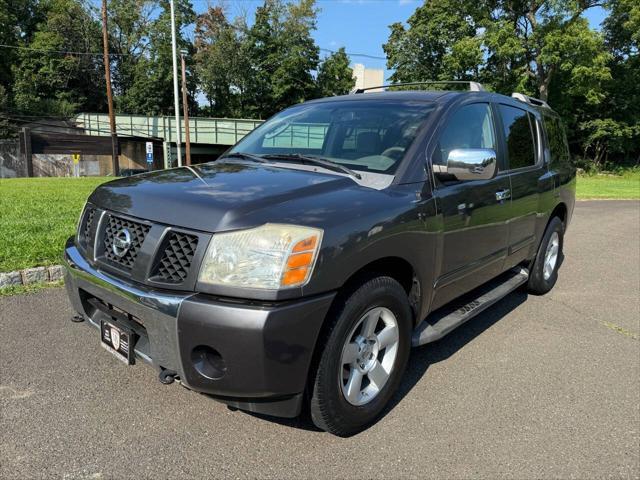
395,267
559,211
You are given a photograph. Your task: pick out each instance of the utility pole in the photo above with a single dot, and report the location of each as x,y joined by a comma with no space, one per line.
175,83
185,109
107,74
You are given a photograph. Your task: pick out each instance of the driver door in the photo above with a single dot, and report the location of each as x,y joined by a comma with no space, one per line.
473,214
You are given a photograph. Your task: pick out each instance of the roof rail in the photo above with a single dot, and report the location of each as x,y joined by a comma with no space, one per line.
473,86
530,100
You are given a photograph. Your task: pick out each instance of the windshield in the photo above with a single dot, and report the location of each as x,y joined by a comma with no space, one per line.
361,135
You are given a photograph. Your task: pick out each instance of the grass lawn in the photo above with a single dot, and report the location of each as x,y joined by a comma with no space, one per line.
28,289
625,186
37,215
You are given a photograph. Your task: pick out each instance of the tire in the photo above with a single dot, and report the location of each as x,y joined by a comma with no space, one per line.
542,278
336,405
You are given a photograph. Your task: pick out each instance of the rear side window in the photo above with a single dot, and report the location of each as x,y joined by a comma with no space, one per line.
518,134
557,140
469,127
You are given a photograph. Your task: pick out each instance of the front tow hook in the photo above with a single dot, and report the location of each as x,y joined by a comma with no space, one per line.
167,377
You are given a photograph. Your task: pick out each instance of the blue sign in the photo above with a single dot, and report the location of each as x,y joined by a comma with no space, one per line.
150,157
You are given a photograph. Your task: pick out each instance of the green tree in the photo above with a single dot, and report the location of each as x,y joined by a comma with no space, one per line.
543,48
18,20
129,25
282,54
613,130
440,43
61,83
509,45
222,62
151,90
335,77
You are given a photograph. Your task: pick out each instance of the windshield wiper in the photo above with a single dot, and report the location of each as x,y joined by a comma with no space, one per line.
244,156
328,164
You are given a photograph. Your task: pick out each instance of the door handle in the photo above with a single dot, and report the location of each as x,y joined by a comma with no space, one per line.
503,194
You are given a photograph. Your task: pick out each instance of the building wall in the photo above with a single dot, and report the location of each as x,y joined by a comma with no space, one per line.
368,77
11,164
61,165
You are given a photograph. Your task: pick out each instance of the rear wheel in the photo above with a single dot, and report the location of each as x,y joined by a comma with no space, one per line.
544,272
364,356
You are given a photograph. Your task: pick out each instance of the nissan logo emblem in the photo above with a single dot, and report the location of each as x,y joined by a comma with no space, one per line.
121,243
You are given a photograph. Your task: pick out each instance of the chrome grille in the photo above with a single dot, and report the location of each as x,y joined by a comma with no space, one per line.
87,223
137,231
175,262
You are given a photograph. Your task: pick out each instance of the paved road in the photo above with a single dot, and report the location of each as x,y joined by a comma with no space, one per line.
535,387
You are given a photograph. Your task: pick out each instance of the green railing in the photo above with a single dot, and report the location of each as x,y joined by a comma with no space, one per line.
204,130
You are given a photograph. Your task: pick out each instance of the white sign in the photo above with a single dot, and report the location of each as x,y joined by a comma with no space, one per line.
149,147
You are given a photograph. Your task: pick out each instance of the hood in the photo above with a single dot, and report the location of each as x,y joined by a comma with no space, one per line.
215,196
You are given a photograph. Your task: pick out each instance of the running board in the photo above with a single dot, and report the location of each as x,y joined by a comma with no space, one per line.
444,320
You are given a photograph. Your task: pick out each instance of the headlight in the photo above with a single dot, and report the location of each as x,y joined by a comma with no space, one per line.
268,257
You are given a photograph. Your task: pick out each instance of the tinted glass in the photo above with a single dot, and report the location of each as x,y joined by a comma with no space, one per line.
557,140
519,138
469,127
362,135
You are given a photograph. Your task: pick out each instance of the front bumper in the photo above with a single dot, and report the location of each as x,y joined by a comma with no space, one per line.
254,356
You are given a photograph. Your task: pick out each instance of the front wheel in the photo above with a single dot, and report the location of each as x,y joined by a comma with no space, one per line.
364,356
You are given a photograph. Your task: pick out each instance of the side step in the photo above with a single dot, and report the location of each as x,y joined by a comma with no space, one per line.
447,318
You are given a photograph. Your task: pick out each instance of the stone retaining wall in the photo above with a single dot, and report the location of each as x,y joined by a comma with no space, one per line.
53,273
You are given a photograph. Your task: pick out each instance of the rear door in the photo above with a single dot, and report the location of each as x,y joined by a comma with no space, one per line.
473,214
524,141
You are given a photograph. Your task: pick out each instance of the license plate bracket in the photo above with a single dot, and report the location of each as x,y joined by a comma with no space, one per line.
119,341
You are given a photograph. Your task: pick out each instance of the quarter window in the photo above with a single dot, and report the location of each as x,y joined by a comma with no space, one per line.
557,140
519,137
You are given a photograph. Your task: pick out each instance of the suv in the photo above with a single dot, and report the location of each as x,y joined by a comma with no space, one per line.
298,269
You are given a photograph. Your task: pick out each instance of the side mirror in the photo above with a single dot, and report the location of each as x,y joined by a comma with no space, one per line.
471,164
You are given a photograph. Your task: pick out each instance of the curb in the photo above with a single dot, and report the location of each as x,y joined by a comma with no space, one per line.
52,273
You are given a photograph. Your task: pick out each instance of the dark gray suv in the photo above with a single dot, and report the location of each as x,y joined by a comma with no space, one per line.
300,268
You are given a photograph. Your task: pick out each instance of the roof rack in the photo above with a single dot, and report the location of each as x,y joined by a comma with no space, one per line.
530,100
473,86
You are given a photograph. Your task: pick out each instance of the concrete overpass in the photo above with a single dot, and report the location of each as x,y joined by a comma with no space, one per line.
208,135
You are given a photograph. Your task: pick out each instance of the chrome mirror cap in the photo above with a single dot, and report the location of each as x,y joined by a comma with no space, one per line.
471,164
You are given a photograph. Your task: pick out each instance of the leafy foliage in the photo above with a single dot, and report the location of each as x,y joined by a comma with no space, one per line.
259,70
335,77
543,48
282,55
222,62
60,83
150,90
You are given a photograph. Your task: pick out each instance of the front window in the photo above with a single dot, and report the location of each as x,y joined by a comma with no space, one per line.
362,135
469,127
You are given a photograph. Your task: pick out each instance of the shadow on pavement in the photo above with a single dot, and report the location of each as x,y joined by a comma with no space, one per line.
423,357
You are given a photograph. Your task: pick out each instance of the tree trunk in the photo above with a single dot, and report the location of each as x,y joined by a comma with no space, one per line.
544,79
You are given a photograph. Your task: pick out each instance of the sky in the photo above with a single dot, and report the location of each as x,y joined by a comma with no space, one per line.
361,26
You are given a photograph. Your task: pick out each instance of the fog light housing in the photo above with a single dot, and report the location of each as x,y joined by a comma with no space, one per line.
208,362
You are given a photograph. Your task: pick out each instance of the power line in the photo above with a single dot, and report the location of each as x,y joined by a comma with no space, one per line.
65,52
61,52
365,55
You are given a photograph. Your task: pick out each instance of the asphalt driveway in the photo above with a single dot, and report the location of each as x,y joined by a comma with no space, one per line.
534,387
